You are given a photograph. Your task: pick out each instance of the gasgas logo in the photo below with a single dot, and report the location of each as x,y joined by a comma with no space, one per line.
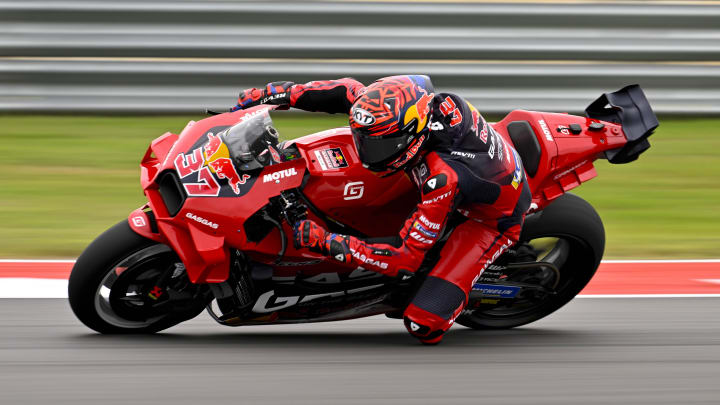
212,157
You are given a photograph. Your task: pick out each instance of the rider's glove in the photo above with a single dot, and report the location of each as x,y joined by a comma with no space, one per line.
277,93
312,236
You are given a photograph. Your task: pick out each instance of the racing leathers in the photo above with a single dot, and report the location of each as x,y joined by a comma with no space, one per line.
466,168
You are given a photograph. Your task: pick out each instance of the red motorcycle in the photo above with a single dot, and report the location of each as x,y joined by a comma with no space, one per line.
222,197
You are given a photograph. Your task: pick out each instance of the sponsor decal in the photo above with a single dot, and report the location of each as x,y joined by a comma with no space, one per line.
280,174
212,158
332,158
434,183
369,260
546,130
138,221
463,154
269,302
563,130
419,111
201,220
482,133
411,152
492,290
353,190
518,174
362,117
438,198
426,222
419,238
506,244
272,97
224,169
500,146
424,230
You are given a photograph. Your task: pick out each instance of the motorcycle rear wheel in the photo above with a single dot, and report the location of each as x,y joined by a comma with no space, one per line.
111,283
580,243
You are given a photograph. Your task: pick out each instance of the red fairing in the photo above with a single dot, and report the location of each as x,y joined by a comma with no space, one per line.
202,232
566,158
141,223
350,194
330,175
420,231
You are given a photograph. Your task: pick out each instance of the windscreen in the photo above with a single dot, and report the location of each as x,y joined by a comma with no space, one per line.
249,139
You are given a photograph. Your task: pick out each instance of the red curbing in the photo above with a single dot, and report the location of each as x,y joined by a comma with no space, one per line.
656,277
639,277
51,269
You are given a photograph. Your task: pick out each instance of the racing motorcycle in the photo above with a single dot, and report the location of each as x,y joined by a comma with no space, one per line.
216,232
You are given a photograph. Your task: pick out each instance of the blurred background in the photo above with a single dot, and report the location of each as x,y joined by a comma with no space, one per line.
86,85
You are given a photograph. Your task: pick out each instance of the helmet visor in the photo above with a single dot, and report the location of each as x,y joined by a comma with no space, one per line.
375,151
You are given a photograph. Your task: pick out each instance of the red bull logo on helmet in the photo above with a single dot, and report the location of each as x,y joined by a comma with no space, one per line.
419,111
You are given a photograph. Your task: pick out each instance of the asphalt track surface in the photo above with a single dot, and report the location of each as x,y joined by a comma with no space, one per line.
593,351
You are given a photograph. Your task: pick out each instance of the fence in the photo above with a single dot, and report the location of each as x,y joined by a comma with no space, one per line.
172,56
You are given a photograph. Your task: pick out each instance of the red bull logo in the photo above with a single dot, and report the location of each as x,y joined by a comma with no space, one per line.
217,157
419,111
213,145
212,157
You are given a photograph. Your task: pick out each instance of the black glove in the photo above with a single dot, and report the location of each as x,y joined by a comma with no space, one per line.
276,93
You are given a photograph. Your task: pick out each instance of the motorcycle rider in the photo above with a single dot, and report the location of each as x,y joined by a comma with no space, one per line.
458,162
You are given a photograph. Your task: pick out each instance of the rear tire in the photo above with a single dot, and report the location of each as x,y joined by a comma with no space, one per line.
575,222
108,285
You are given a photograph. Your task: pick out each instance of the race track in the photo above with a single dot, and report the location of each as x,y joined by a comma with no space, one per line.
594,351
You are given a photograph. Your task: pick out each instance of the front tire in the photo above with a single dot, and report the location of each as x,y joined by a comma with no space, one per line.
110,282
579,245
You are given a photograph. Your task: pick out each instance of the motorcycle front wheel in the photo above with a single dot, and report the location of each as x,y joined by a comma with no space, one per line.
571,236
114,285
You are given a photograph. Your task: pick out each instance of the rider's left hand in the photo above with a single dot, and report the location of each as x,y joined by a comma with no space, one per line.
312,236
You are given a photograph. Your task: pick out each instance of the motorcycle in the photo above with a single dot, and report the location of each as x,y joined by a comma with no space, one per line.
216,232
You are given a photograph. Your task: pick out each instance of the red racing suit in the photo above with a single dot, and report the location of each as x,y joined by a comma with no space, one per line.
467,168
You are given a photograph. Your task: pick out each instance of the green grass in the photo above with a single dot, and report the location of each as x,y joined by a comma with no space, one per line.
64,179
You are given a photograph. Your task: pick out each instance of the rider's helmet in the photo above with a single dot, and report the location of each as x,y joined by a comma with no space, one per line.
390,121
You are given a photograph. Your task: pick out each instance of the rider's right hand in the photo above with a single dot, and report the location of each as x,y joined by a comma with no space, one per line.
277,93
309,235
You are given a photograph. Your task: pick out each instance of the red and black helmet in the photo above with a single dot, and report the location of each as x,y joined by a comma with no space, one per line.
390,121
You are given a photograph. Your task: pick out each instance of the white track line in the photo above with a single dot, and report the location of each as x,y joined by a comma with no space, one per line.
35,261
33,288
